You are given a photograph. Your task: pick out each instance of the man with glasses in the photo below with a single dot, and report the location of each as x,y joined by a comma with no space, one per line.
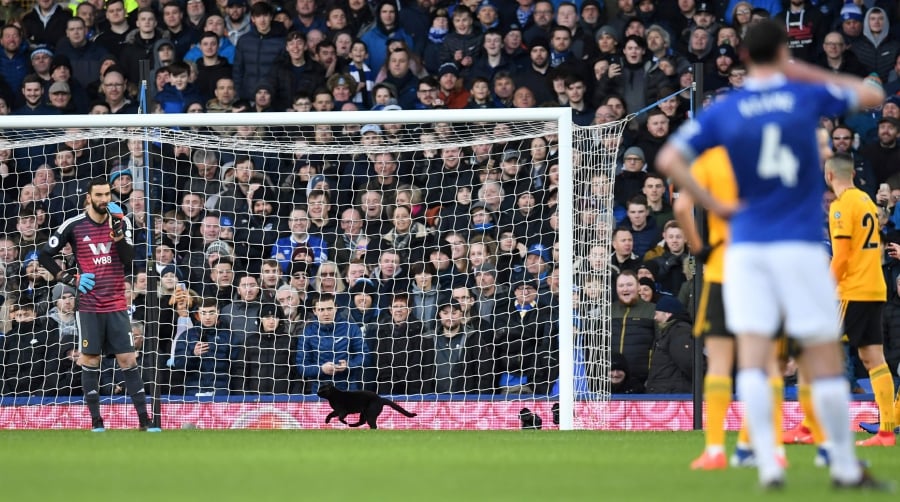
837,58
864,177
426,92
630,181
298,223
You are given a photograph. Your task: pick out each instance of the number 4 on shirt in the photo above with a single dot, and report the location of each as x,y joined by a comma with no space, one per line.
775,159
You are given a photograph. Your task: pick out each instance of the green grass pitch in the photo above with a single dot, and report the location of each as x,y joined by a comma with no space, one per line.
367,465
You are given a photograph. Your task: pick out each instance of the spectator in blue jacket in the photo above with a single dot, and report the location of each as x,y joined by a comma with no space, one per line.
385,29
257,50
179,92
211,358
643,228
331,350
14,62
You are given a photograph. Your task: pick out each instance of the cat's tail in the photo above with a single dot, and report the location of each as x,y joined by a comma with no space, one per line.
398,408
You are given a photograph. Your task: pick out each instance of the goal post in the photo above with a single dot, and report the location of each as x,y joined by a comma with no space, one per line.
578,352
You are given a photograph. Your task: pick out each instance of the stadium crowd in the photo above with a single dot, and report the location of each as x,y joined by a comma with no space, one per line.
430,272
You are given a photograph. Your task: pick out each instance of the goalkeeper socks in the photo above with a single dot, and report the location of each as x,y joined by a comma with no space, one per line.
90,383
810,419
831,397
134,386
717,390
754,390
883,388
777,385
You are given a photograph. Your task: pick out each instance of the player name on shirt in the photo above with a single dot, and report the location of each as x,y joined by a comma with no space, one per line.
753,106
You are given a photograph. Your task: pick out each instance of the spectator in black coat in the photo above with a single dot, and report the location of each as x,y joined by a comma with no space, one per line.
892,330
256,51
672,356
522,341
294,72
399,358
26,350
268,354
46,22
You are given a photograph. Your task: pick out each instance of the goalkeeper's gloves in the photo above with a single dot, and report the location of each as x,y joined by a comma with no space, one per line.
83,282
116,220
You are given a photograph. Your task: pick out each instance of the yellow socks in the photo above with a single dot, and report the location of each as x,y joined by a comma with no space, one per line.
777,385
883,388
717,390
810,420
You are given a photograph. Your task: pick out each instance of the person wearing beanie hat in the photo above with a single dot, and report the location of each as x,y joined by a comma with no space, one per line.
724,59
535,74
647,290
60,290
41,59
671,367
451,93
519,336
851,22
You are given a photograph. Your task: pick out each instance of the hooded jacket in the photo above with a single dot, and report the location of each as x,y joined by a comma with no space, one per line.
877,53
672,357
376,39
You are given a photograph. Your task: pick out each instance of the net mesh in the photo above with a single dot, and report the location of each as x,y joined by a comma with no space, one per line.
436,243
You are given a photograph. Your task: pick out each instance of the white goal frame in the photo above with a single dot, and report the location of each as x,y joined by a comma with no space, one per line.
561,116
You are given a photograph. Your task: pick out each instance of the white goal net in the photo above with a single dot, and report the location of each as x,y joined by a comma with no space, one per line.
453,261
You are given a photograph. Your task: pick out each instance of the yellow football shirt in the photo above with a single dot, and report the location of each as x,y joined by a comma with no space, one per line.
713,172
854,216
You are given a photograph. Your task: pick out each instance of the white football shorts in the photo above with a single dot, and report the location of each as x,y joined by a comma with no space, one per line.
770,286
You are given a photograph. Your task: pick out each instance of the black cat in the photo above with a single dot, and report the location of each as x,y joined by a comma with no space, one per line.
368,404
530,420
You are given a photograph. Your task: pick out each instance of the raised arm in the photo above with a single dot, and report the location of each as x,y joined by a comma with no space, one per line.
869,93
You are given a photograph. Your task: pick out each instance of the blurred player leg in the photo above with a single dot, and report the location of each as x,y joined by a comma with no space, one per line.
872,357
754,316
717,385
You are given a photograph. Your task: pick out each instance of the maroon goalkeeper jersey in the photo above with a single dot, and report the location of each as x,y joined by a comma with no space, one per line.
95,253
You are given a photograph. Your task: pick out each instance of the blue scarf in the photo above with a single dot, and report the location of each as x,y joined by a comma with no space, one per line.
436,35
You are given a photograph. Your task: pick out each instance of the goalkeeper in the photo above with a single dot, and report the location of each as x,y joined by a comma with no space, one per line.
101,242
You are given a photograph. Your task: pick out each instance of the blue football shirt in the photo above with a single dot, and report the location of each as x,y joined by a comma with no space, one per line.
768,129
